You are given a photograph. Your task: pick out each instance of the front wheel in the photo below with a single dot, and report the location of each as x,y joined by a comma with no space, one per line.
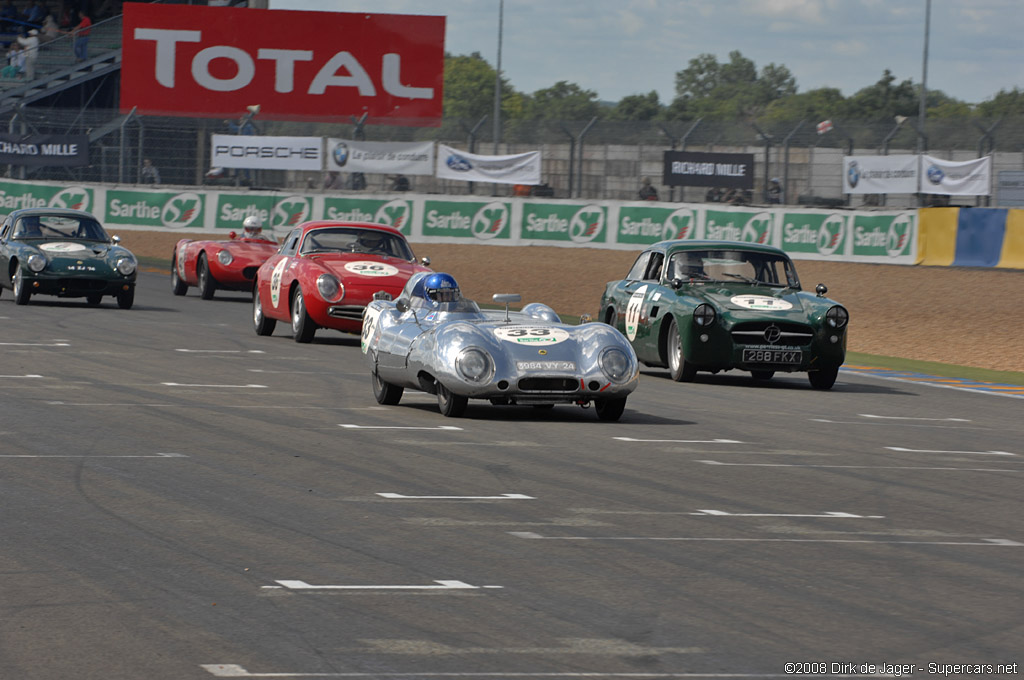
824,378
207,286
384,392
93,299
178,286
610,410
680,369
450,405
260,321
126,298
21,290
303,328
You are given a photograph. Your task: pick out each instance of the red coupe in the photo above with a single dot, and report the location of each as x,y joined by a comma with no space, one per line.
325,274
229,265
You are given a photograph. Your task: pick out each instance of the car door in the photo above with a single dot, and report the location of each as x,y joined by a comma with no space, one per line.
644,307
619,292
273,283
5,253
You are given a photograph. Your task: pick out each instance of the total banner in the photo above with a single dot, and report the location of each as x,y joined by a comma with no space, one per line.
880,174
963,178
388,158
38,151
522,168
266,153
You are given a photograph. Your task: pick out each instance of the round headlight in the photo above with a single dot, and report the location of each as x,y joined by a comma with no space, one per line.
225,257
704,315
36,262
837,316
330,287
474,365
615,364
126,265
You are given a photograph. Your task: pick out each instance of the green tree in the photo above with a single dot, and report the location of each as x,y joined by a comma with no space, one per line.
637,107
469,89
563,101
717,91
1006,103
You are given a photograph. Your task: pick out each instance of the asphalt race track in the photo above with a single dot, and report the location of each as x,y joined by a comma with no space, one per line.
183,499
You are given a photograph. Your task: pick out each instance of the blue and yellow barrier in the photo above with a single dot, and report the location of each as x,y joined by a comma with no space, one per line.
971,237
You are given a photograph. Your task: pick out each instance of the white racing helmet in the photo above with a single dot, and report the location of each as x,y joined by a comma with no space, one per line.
252,227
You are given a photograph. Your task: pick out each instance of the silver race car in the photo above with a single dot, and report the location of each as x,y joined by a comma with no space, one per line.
434,340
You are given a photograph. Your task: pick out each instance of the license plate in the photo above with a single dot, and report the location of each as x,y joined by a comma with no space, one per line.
772,356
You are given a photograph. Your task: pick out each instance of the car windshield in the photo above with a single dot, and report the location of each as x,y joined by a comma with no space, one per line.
356,240
59,227
753,267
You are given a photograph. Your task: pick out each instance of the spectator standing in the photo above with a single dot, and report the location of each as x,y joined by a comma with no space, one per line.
50,29
30,49
647,191
149,173
333,181
81,37
400,183
774,191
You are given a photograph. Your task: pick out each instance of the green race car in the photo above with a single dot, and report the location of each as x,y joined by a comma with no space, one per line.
722,305
53,251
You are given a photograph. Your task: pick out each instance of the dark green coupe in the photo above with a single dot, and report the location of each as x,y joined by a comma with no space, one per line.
722,305
52,251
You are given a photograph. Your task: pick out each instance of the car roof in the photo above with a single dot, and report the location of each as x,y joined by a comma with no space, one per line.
690,244
319,224
62,212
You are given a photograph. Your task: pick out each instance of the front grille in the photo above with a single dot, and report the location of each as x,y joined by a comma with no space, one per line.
549,384
762,332
354,312
249,273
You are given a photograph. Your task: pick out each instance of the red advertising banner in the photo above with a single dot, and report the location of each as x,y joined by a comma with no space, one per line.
200,61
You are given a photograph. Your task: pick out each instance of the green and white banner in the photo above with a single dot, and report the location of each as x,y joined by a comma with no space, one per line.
477,220
581,224
396,212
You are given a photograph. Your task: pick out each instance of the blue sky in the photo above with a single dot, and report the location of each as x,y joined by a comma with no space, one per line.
622,47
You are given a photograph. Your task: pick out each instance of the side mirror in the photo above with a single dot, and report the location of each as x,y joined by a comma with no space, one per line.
115,239
506,299
402,305
821,289
677,284
232,235
425,262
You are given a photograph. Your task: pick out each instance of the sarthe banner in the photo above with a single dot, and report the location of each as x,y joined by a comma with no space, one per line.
880,174
522,168
701,169
38,151
388,158
267,153
963,178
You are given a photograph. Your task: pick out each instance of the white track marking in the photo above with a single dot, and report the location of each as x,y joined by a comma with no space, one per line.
35,344
231,670
507,496
154,455
857,467
869,415
829,515
349,426
976,453
222,351
16,377
681,441
173,384
441,585
988,542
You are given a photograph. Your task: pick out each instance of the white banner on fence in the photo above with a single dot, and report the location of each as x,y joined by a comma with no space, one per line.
963,178
880,174
267,153
522,168
388,158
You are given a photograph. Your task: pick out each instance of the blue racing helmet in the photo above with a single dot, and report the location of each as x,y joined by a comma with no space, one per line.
440,288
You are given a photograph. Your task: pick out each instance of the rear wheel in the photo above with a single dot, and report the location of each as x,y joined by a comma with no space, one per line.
178,286
207,286
21,290
303,328
263,324
126,298
680,369
93,299
384,392
610,410
450,405
824,378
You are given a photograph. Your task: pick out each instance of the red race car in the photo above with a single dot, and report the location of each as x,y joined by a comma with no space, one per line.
325,274
230,265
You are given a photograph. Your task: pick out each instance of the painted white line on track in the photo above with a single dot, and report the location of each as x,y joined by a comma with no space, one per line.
172,384
16,377
861,422
506,496
828,515
681,441
153,455
34,344
230,670
869,415
857,467
349,426
222,351
987,542
441,585
976,453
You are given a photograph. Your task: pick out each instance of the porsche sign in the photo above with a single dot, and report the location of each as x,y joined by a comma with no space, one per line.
193,60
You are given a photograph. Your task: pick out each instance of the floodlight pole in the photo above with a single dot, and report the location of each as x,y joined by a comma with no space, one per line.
497,86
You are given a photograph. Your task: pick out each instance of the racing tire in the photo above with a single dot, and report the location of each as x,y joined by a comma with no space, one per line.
384,392
303,328
178,287
93,299
824,378
126,298
610,410
22,293
207,286
679,368
762,375
263,324
450,405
